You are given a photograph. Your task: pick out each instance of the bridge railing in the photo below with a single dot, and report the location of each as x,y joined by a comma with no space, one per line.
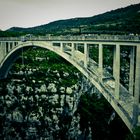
74,37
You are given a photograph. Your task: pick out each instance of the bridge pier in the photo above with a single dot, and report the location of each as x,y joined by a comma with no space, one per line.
131,73
116,70
114,60
100,61
72,50
86,55
2,50
61,46
137,87
76,46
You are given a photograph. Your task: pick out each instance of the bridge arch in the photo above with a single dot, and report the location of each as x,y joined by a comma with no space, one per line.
16,51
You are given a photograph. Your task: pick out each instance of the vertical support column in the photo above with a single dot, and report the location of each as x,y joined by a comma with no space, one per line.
85,55
22,57
2,50
116,70
61,47
114,61
9,46
5,47
76,46
100,61
137,87
131,75
14,44
72,50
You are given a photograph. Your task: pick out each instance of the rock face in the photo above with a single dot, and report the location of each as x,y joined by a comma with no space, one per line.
42,111
40,102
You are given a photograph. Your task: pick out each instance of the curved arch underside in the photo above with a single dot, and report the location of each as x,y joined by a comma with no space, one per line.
16,51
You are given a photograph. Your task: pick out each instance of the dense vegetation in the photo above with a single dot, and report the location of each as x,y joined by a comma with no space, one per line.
9,34
95,112
121,21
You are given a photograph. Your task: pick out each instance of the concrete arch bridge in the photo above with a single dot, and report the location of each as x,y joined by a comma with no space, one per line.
76,50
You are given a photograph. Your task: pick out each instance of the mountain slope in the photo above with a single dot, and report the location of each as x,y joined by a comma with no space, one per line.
123,20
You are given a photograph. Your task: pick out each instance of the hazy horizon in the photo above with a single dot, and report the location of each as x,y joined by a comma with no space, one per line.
31,13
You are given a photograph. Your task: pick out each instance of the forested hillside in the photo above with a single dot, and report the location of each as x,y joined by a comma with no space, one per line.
120,21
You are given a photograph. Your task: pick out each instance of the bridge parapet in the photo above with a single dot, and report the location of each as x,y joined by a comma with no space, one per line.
121,38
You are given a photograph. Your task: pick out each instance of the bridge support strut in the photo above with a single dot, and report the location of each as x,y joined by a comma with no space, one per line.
86,54
116,70
100,62
137,87
131,74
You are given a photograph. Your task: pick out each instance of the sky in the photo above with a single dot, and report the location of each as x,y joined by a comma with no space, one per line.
30,13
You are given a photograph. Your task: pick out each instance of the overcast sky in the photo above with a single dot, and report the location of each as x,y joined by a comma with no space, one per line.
29,13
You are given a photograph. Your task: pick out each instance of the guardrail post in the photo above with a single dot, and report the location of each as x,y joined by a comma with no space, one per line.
131,74
137,87
100,62
116,70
